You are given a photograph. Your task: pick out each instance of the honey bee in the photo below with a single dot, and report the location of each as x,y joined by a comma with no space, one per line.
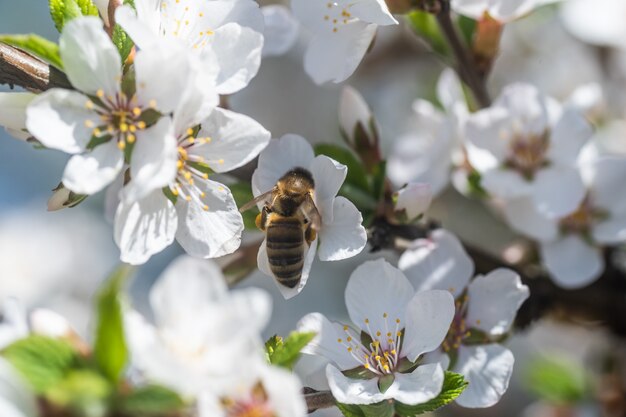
290,220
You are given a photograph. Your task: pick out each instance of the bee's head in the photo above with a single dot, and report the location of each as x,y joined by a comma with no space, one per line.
296,183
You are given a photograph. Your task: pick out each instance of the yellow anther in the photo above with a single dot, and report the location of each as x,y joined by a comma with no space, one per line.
183,153
179,164
399,334
121,145
367,321
132,128
377,357
326,17
141,124
187,175
220,161
384,315
130,138
152,103
386,367
110,129
205,208
349,339
175,191
350,349
123,127
339,340
388,334
345,328
393,352
201,14
366,366
188,198
88,123
189,132
477,321
89,104
136,111
191,140
378,334
335,30
100,93
96,132
202,194
205,176
398,321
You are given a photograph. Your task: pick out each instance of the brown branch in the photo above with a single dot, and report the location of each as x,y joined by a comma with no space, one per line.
22,69
318,399
466,67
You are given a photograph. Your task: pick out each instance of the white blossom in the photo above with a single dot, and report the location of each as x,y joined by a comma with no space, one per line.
201,331
354,111
502,10
485,310
600,22
13,114
528,146
403,326
281,30
341,234
414,199
342,33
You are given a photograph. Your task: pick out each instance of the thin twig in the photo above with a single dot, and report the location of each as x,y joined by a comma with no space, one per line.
22,69
465,65
318,399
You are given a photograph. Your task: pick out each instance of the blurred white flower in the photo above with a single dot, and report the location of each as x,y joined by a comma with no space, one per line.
13,114
281,30
402,326
341,234
502,10
485,310
529,147
225,34
570,246
16,398
201,214
414,199
261,390
13,323
599,22
354,111
201,331
342,33
425,153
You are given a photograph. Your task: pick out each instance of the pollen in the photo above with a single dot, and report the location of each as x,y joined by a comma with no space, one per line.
121,145
205,208
123,127
88,123
152,103
188,198
89,105
189,131
384,315
130,138
339,340
100,93
136,111
96,132
141,125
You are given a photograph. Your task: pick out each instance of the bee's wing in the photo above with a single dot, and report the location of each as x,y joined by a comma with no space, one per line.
262,197
310,212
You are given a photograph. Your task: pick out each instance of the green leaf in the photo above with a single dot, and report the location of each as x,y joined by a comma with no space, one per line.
453,386
110,346
62,11
42,361
122,41
83,390
36,45
350,410
425,25
285,353
378,179
468,28
356,172
242,193
385,381
152,399
170,195
475,187
556,380
363,200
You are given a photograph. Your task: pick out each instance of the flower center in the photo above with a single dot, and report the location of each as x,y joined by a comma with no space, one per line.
183,21
528,154
377,351
254,404
582,219
458,328
337,16
120,118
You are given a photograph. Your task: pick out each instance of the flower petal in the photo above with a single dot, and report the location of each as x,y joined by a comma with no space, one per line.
334,56
372,11
523,216
244,13
353,109
488,130
325,342
421,385
277,158
236,139
153,162
572,262
450,90
377,294
414,199
527,108
58,119
611,231
281,30
345,237
13,105
309,257
143,25
505,183
437,263
353,391
428,317
568,136
16,398
214,232
605,176
90,172
90,59
144,227
494,300
284,391
557,190
329,175
488,369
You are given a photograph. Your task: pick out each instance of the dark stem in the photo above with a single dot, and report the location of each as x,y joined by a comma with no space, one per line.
24,70
318,399
466,67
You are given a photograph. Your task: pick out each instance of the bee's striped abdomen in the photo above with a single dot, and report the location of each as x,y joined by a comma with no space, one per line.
285,249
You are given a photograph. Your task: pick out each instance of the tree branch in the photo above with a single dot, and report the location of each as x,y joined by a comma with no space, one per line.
22,69
318,399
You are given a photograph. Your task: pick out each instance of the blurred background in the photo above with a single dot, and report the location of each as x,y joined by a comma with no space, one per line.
57,259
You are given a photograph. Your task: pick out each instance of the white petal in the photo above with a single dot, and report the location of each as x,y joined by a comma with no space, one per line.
506,183
112,198
14,325
438,263
353,391
309,257
142,26
611,231
90,59
599,22
523,216
90,172
236,139
238,52
345,237
16,397
103,9
488,369
605,176
334,56
57,118
353,110
185,287
421,385
277,158
245,13
569,135
261,259
557,190
325,342
153,162
379,293
527,108
281,30
145,227
212,233
471,8
489,130
328,175
372,11
284,392
572,262
428,318
449,89
13,105
51,324
494,300
414,198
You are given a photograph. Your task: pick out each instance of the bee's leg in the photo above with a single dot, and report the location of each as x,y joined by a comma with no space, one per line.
310,234
261,219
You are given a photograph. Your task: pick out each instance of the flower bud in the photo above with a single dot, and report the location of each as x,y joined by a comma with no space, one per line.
62,198
414,199
358,126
